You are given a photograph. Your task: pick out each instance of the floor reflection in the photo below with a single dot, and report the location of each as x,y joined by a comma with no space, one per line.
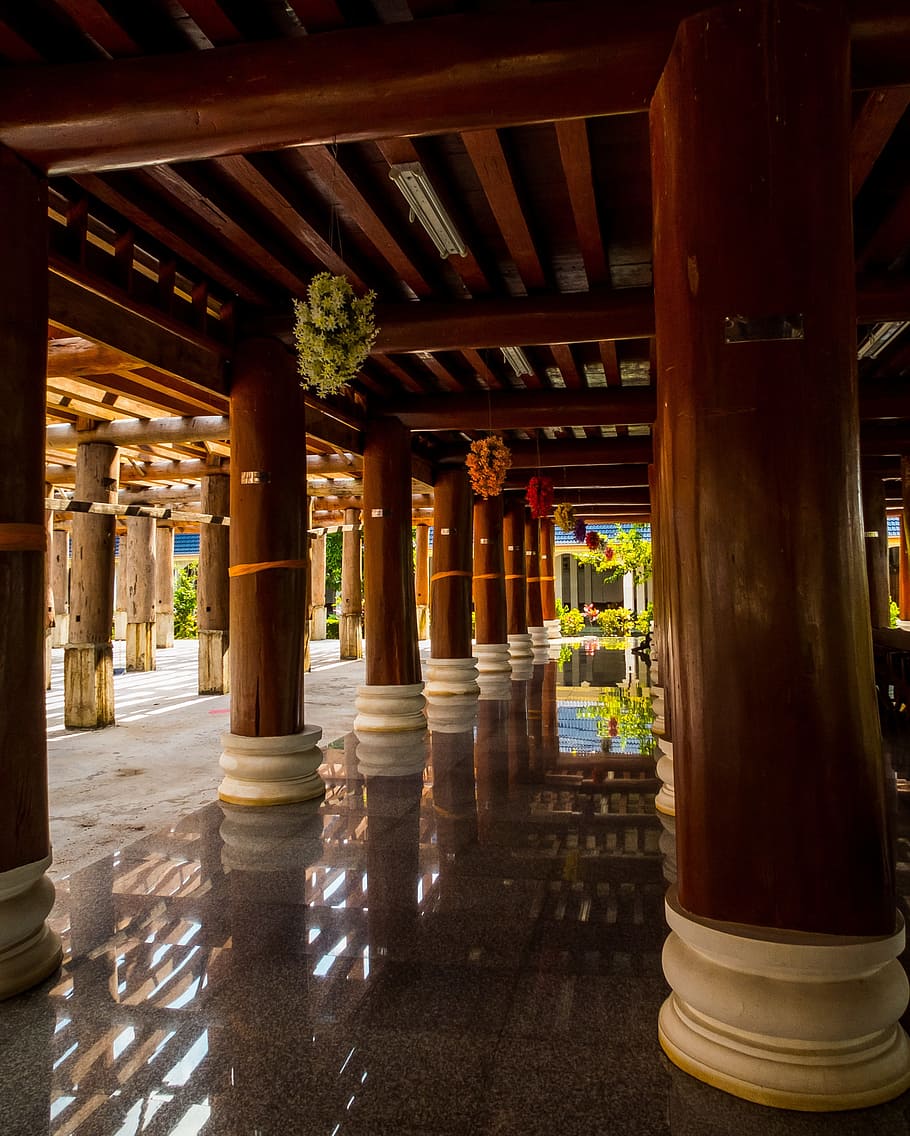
461,939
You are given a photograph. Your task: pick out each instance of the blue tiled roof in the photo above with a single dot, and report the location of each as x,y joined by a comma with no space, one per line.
606,531
186,544
894,527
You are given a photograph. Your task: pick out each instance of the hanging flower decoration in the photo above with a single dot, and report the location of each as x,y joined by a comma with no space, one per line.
487,462
580,529
334,331
540,496
564,516
592,540
609,552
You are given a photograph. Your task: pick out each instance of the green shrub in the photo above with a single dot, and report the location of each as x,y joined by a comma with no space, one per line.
331,627
615,620
571,621
895,614
185,603
642,622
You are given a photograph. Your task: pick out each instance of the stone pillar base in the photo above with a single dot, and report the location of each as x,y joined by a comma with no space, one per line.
271,771
391,754
317,624
423,622
164,630
520,646
350,637
389,709
539,637
140,646
553,628
214,662
665,801
119,625
790,1020
523,668
657,705
451,676
452,713
88,686
29,949
60,632
496,687
271,840
667,845
492,658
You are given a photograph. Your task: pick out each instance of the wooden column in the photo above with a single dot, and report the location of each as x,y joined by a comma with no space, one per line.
781,818
547,563
50,607
392,657
350,621
213,589
88,667
490,621
140,574
308,620
904,598
451,669
422,580
28,950
120,590
164,585
533,606
317,585
270,756
516,578
60,581
875,534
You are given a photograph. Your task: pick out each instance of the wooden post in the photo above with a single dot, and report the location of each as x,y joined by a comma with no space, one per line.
29,951
88,663
164,585
60,581
50,608
490,623
422,579
317,585
783,842
875,533
513,543
904,599
452,668
213,589
350,623
548,577
533,606
270,756
140,573
120,589
391,699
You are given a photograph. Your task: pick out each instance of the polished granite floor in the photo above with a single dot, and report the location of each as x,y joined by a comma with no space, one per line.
472,948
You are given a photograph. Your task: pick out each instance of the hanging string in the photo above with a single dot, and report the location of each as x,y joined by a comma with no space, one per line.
334,224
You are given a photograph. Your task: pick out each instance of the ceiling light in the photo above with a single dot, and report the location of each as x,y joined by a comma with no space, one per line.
879,338
427,208
517,360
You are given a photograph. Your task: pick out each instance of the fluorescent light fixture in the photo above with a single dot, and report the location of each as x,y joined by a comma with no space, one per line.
427,208
517,360
879,338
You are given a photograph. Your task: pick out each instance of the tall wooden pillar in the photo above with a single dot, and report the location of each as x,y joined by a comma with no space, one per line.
533,607
213,605
120,591
391,699
350,621
782,956
875,535
164,585
490,622
270,756
904,578
60,582
29,951
513,549
547,564
317,585
50,607
452,667
88,663
140,574
422,580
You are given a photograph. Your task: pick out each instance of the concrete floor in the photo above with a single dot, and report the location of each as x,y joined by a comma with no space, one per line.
160,761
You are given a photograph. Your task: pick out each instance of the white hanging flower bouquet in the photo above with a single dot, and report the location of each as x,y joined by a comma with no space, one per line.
334,331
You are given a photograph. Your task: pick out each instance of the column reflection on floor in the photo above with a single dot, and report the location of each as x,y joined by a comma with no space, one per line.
459,938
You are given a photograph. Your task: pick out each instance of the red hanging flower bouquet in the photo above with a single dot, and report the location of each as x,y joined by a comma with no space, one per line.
540,496
592,540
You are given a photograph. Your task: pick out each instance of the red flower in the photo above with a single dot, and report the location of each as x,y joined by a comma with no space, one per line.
592,540
540,496
609,552
613,727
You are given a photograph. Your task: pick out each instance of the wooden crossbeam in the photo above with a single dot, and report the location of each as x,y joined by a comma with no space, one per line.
159,512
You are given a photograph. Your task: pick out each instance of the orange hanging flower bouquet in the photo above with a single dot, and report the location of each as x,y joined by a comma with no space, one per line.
487,462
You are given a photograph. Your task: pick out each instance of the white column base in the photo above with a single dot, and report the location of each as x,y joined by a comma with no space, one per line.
390,709
552,628
391,754
317,623
271,840
29,949
790,1020
271,771
520,646
492,658
452,713
496,687
451,677
667,845
539,637
119,625
61,630
164,629
523,668
665,801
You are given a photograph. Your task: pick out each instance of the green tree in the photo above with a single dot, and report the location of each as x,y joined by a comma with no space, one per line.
628,551
333,559
185,602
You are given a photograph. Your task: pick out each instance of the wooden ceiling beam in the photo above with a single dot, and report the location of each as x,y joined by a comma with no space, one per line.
585,500
873,127
145,432
526,410
575,153
591,451
586,477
